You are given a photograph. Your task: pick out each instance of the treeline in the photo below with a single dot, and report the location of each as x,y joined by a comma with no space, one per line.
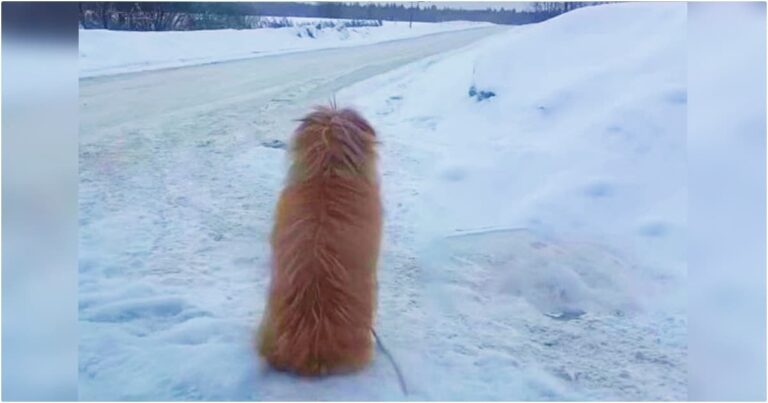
413,11
165,16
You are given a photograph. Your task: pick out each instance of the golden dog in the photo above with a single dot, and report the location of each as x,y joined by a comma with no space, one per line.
325,245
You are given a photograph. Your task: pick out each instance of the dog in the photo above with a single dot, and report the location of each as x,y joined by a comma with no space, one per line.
325,246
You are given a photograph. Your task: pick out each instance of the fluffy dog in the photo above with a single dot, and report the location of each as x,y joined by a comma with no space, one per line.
325,245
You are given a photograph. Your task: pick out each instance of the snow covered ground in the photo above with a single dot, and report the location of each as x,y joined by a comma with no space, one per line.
111,52
534,243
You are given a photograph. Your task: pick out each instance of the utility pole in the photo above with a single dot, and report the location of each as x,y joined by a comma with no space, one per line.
410,19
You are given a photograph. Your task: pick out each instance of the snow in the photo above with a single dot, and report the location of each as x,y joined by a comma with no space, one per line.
726,157
534,241
104,52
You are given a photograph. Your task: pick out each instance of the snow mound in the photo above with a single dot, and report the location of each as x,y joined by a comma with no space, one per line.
582,138
540,177
592,48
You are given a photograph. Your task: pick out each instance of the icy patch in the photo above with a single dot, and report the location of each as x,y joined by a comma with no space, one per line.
560,279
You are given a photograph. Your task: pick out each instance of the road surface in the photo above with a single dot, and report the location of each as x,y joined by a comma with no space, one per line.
263,87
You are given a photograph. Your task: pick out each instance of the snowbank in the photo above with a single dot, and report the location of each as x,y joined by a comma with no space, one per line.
105,52
583,138
545,174
593,143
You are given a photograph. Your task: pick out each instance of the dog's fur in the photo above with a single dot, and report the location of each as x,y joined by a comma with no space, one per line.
325,246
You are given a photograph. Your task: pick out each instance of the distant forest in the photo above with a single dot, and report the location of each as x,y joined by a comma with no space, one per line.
182,16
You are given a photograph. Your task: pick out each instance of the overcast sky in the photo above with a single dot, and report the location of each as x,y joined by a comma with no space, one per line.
468,5
478,5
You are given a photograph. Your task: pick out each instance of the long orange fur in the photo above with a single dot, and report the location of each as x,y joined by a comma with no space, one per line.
325,246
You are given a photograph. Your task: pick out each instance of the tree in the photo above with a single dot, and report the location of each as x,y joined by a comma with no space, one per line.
104,9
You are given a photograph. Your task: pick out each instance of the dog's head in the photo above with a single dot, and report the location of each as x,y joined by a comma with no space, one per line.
332,141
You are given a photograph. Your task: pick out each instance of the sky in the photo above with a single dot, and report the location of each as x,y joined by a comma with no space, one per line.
478,5
469,5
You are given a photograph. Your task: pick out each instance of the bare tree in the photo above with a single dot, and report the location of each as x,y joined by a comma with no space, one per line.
103,10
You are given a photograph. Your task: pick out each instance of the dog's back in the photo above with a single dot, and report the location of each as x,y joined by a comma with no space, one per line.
325,245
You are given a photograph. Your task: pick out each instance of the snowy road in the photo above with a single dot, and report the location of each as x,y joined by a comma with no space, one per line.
266,89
